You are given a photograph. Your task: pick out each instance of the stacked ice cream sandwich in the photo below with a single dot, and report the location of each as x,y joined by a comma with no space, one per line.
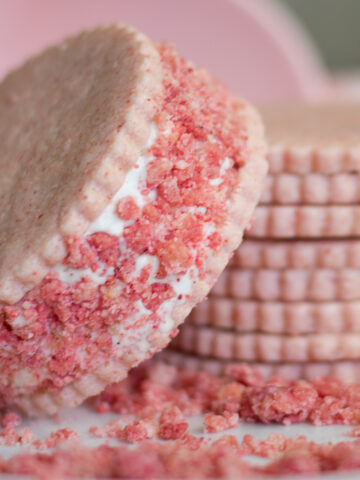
289,301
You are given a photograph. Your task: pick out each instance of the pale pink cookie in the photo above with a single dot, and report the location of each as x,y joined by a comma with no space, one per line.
262,347
279,221
311,189
307,138
289,284
277,317
280,254
347,371
127,179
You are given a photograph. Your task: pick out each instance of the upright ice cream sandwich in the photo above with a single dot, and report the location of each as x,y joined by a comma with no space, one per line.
127,178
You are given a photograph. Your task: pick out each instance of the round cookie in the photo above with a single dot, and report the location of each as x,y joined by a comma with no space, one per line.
277,317
279,221
127,178
333,254
318,137
347,371
261,347
311,189
289,285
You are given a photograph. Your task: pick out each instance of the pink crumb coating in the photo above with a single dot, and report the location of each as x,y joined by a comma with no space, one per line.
59,331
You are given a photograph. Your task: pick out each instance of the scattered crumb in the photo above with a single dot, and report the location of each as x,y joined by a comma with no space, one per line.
161,397
155,388
172,424
139,430
187,459
218,423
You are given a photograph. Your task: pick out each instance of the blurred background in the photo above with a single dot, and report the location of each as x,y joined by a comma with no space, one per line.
266,50
334,26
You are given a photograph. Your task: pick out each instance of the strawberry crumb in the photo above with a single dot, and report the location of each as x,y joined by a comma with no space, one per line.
160,396
172,424
218,423
158,388
224,458
10,435
56,438
139,430
245,374
61,436
112,430
10,419
355,432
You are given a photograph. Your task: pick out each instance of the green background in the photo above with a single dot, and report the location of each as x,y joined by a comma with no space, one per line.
334,26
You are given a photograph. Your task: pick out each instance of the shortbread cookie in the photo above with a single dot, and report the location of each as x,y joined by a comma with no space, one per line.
308,138
280,254
311,189
289,285
261,347
347,371
127,178
278,221
277,317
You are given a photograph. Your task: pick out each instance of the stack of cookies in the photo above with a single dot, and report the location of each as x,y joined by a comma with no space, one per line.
289,302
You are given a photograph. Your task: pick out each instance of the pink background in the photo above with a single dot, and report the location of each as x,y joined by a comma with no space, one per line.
254,46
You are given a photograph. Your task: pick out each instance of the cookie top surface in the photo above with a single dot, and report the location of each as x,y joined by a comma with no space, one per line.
313,126
73,121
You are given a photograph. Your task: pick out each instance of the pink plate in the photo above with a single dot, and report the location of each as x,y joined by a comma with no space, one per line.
254,46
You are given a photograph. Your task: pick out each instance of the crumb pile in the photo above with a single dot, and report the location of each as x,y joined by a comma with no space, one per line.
161,397
154,387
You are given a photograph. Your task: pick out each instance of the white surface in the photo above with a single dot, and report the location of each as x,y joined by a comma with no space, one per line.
81,418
